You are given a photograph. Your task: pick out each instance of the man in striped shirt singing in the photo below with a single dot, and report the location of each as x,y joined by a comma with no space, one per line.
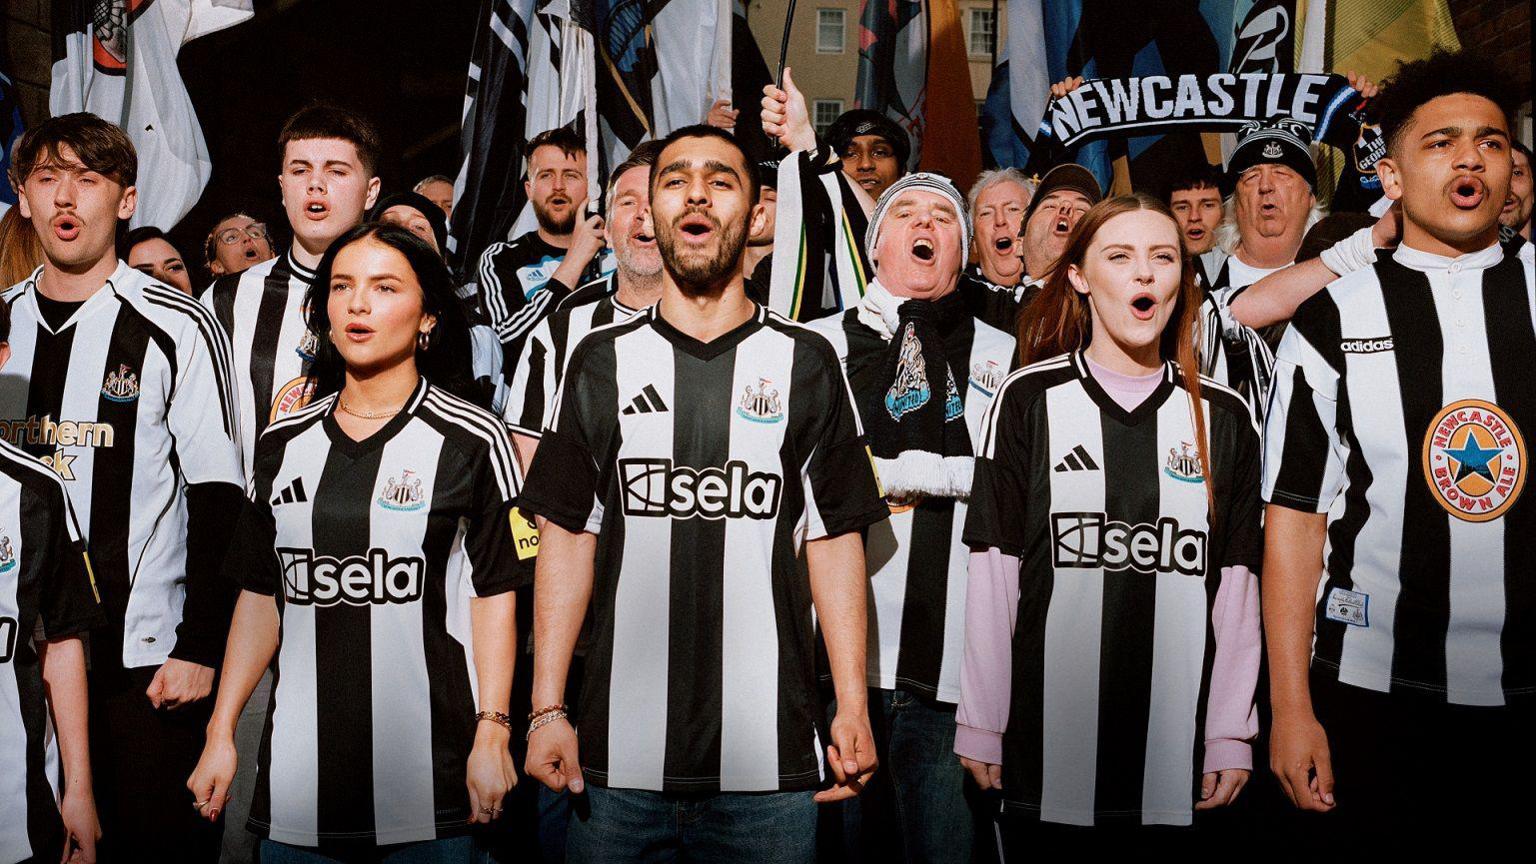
1398,598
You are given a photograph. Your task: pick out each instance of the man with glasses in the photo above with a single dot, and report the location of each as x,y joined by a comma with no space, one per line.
236,243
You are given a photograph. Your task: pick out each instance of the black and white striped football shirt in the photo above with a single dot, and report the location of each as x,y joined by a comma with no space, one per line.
374,550
131,401
262,311
1120,564
549,347
702,468
517,287
45,587
1402,399
916,560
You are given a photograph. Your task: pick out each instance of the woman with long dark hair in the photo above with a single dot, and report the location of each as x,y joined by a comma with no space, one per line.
378,558
1112,624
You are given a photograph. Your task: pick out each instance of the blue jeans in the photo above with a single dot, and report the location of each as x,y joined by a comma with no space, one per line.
453,850
921,809
614,826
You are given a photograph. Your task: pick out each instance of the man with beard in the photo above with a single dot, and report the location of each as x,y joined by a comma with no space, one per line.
694,450
1195,199
1515,219
634,285
914,325
521,280
1400,623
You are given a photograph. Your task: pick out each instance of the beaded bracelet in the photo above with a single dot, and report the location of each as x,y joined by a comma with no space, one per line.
496,717
544,720
549,709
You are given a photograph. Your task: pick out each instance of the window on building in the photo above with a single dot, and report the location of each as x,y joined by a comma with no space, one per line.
980,25
824,112
830,31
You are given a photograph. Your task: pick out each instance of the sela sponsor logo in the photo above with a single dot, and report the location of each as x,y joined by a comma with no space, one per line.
654,487
1093,541
404,494
1184,464
291,397
357,580
987,377
7,555
1367,345
761,405
122,385
910,390
1474,460
8,628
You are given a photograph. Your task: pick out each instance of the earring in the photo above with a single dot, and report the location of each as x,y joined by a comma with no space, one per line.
424,340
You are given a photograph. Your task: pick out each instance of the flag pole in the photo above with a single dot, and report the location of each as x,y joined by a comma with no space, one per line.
778,78
789,20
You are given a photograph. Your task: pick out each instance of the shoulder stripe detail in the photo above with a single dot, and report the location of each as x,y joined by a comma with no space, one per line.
293,418
484,426
213,335
490,284
525,317
989,420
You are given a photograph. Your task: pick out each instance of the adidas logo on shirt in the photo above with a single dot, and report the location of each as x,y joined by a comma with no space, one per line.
647,402
1077,460
293,493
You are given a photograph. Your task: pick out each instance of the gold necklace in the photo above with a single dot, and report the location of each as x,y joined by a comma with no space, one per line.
366,415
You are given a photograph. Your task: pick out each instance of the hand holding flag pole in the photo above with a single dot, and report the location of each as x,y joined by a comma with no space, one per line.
778,78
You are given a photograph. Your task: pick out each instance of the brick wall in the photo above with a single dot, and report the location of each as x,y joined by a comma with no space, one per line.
26,53
1501,29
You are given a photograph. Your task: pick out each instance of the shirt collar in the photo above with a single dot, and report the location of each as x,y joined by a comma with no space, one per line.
1417,259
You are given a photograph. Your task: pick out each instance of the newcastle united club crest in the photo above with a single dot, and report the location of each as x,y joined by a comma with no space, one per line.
1184,464
7,555
910,390
987,377
122,385
404,494
761,405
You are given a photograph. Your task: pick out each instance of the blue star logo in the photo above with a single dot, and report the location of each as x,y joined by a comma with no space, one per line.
1473,459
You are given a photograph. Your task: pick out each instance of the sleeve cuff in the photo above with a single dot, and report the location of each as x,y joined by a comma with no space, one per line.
982,745
1221,754
576,523
1304,503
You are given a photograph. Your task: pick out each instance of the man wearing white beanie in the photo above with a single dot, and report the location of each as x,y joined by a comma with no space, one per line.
923,372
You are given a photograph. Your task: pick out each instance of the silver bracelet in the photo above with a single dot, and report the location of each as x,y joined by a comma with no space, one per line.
544,720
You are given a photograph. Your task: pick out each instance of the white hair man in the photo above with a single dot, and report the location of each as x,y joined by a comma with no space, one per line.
923,368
